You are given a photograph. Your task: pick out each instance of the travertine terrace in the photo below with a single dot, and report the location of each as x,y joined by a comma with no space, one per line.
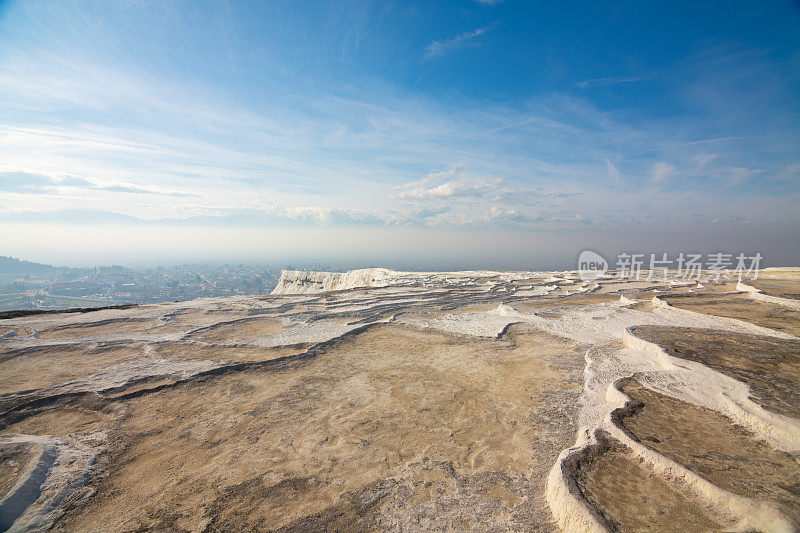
376,400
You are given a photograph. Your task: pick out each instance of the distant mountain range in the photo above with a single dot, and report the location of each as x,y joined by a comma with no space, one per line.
12,265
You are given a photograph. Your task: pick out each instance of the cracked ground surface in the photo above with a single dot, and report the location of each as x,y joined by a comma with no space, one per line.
463,401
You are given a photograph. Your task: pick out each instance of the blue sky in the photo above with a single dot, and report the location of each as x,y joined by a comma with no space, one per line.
374,131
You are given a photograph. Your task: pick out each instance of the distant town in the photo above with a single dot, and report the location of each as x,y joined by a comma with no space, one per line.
28,285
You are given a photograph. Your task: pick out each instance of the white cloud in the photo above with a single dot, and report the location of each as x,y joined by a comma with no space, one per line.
343,155
612,170
661,172
702,160
790,173
445,46
739,174
461,187
20,181
461,198
614,80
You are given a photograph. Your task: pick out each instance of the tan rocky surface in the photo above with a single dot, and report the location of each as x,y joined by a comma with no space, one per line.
448,426
46,366
13,462
780,287
625,494
712,446
740,307
769,366
425,402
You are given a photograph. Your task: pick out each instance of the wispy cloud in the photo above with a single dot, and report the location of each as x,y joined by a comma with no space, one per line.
24,182
345,153
462,40
612,170
791,173
739,174
456,197
704,159
613,80
661,172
